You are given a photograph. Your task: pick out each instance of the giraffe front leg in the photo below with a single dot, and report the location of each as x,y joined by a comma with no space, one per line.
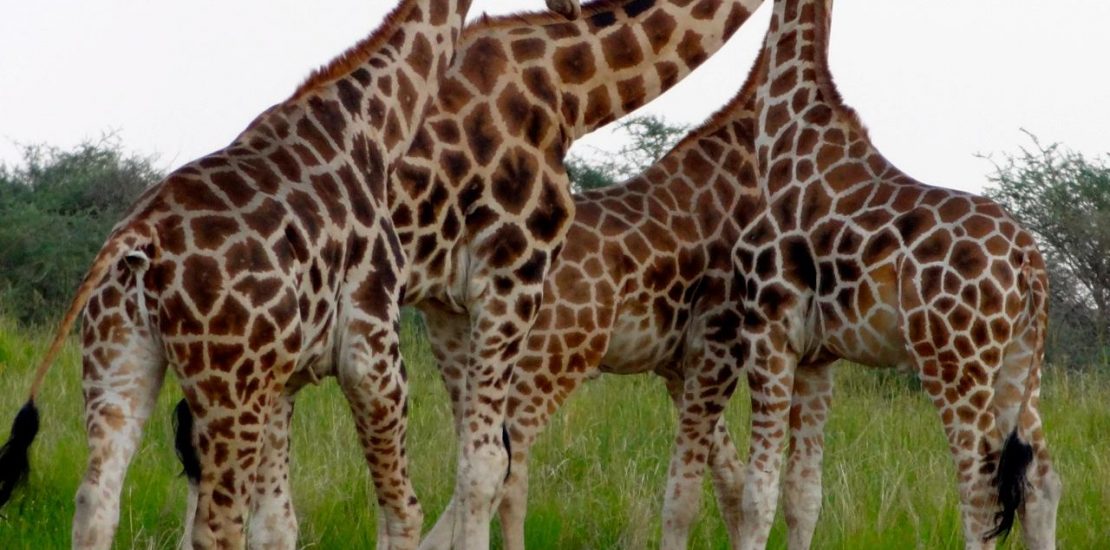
374,382
449,337
725,466
483,459
709,380
121,381
728,480
770,369
802,484
273,522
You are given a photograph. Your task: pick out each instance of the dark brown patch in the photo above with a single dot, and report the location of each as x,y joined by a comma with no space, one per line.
575,63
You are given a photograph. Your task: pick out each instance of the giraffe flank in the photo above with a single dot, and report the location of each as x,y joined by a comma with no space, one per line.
250,272
851,258
643,284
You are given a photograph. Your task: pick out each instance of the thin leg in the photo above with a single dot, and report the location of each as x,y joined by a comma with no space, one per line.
373,379
122,377
728,480
973,439
449,336
710,378
802,484
483,460
273,522
770,368
1017,400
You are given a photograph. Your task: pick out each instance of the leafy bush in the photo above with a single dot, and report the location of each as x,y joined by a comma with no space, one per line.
56,207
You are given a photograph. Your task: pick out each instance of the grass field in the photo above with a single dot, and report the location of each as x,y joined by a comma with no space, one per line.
597,473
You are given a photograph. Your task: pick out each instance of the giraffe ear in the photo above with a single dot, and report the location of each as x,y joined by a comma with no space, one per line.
137,261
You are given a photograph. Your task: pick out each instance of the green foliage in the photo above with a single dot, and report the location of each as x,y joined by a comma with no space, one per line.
1064,198
649,138
57,207
597,473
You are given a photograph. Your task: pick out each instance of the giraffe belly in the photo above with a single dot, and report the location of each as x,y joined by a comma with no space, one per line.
638,345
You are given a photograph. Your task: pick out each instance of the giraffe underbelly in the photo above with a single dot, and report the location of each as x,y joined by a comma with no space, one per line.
638,344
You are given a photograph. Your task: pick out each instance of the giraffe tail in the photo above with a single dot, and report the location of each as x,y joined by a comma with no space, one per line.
1017,452
183,441
127,242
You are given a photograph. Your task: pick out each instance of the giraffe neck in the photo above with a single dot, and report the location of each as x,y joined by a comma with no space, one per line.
797,100
387,79
713,159
621,55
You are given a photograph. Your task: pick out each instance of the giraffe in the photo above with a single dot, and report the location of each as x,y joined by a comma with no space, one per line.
644,284
851,258
250,272
481,201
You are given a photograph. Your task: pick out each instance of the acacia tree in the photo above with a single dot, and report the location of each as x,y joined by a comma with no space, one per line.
1064,198
649,138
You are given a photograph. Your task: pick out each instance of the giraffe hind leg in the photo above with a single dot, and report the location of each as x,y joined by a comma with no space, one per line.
123,375
1026,479
273,522
802,491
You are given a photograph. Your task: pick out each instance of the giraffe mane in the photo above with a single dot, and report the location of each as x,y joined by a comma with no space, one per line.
727,113
825,83
540,18
357,54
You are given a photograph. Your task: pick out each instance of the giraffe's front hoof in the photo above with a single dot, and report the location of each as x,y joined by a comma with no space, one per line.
570,9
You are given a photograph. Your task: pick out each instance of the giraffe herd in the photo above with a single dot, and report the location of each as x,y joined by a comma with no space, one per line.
424,167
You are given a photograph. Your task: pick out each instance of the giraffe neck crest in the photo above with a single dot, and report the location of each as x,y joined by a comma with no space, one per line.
803,27
361,51
740,107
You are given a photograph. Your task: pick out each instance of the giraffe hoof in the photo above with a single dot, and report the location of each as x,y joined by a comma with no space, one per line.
570,9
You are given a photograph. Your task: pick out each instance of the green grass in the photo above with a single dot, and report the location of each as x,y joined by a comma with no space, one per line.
597,473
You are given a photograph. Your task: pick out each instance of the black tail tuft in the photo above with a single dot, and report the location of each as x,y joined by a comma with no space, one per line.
183,441
1010,481
508,442
14,463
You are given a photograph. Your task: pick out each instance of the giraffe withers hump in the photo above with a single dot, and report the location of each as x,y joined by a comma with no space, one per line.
852,258
249,272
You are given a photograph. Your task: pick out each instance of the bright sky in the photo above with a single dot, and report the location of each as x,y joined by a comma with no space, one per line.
937,82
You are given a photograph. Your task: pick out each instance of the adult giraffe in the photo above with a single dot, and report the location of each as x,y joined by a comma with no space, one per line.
644,283
253,270
851,258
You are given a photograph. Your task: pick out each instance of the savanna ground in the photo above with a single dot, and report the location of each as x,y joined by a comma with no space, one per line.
597,473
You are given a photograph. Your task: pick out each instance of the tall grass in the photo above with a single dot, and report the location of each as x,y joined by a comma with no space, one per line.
597,473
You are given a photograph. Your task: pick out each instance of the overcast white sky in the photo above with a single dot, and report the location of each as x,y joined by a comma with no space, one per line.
937,82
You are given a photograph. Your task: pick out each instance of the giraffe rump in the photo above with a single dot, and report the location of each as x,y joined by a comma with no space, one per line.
14,462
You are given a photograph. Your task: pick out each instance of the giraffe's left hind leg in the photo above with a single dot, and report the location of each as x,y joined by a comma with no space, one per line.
122,376
809,410
273,522
230,420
